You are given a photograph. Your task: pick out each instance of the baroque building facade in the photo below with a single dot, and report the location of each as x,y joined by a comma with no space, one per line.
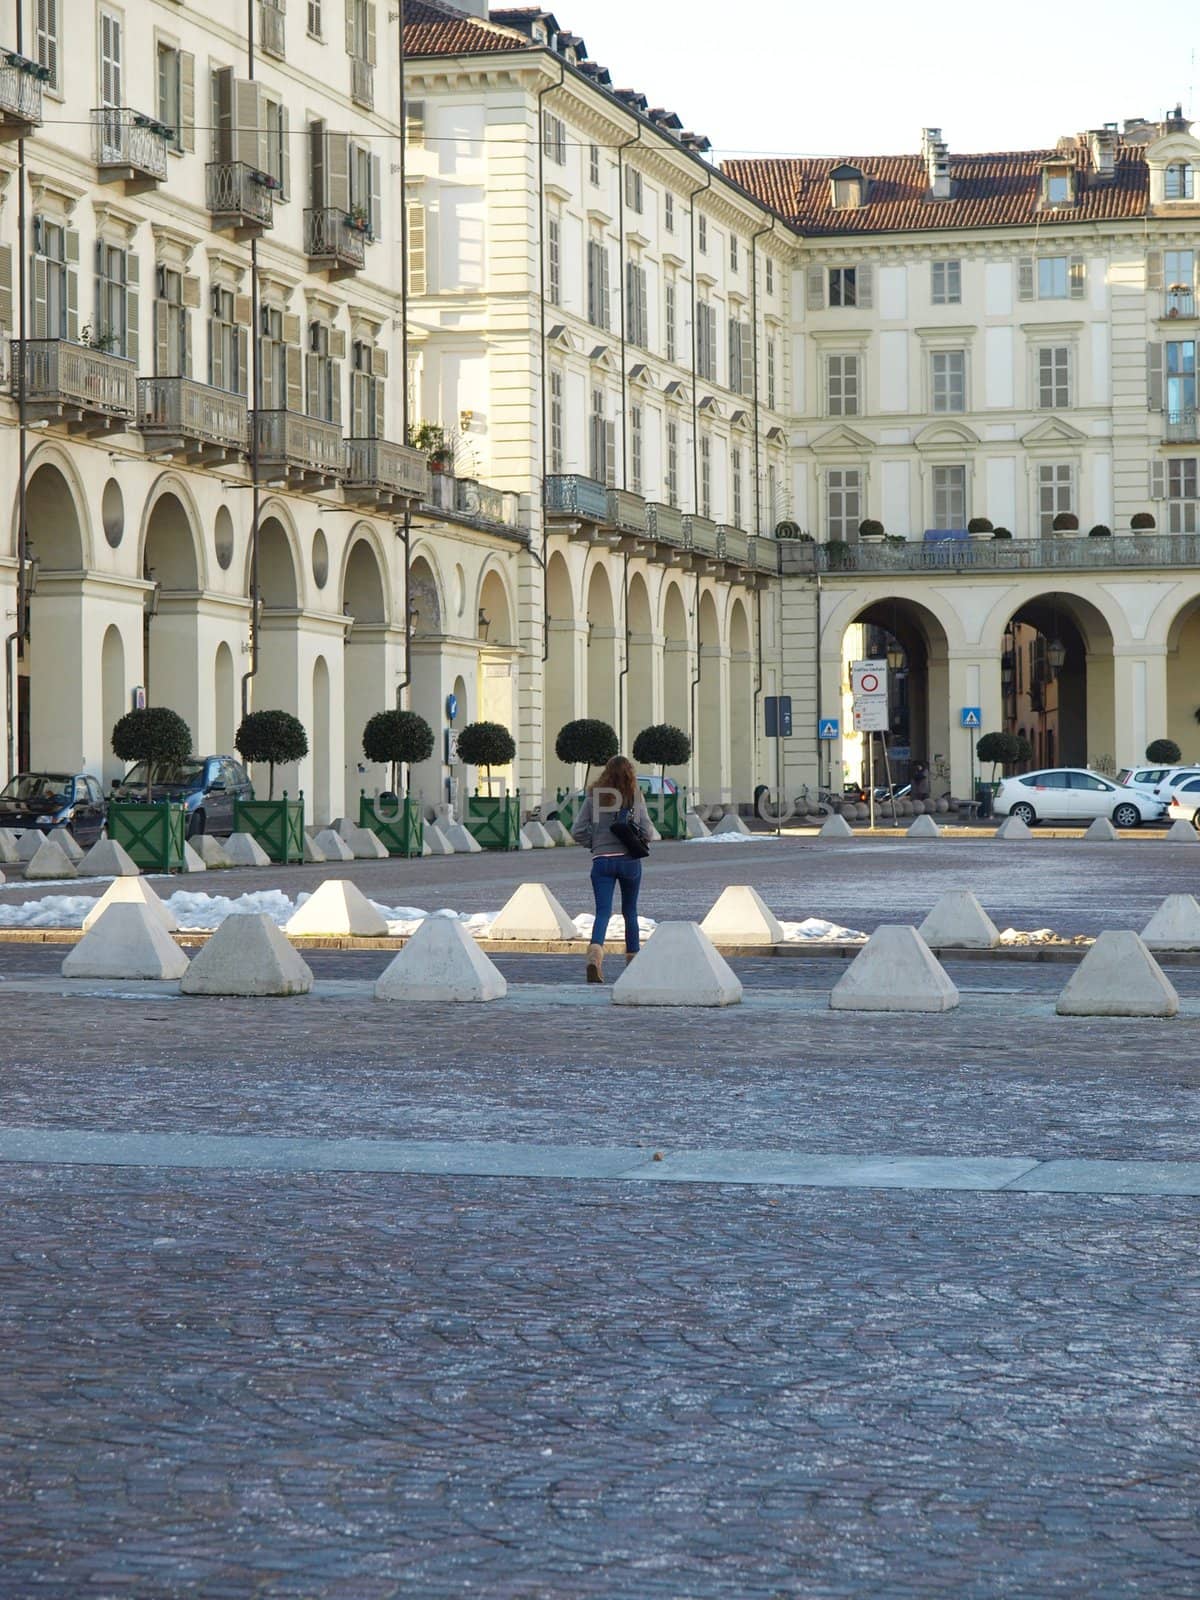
654,400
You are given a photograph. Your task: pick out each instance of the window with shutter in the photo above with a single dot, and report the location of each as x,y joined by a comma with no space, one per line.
843,286
6,288
597,437
315,19
46,42
735,355
669,322
1026,278
772,364
1180,369
1054,377
111,86
1078,277
672,463
815,289
556,420
735,485
554,138
635,449
170,325
1054,278
1179,181
668,213
1056,493
248,129
554,260
598,296
414,124
50,297
594,165
770,275
705,475
1158,480
733,252
945,283
633,189
417,253
949,497
948,380
702,234
111,326
841,377
843,503
610,454
864,285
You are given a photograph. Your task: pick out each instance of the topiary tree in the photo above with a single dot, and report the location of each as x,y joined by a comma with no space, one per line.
1142,521
395,738
589,741
663,746
1099,531
156,735
1001,533
1003,749
275,737
486,745
1163,752
979,525
870,528
1065,522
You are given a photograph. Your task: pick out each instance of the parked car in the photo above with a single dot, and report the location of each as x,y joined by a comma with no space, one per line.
48,800
656,784
207,786
1073,794
1156,781
1183,801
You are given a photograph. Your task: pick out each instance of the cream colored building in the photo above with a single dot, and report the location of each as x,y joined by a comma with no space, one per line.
642,366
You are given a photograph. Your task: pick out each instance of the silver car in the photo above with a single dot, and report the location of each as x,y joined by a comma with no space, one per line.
1073,794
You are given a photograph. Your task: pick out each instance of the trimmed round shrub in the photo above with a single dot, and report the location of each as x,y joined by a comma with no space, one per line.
275,737
1163,751
662,745
1001,533
1003,749
869,528
156,735
1065,522
979,525
1099,532
1141,520
588,741
486,745
397,738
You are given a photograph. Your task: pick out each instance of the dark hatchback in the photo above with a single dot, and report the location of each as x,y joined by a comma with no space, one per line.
48,800
207,786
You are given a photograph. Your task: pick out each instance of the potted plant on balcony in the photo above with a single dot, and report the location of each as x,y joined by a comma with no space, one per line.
1001,533
1099,532
1142,522
430,437
97,339
870,531
1066,522
979,528
358,218
1175,294
837,553
151,831
396,739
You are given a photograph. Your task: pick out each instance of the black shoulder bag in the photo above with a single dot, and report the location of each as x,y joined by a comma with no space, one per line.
624,830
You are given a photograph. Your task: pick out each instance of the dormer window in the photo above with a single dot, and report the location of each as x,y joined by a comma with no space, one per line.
849,188
1058,186
1179,181
539,33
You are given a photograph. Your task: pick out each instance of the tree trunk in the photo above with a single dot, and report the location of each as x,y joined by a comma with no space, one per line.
270,780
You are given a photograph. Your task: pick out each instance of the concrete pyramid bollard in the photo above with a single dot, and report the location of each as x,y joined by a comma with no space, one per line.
9,854
66,838
441,962
655,836
127,941
835,827
1180,832
131,891
741,916
536,833
1101,831
532,912
1014,828
731,823
332,846
211,851
49,860
193,861
1118,978
248,955
436,842
678,966
523,843
894,971
1175,925
29,842
244,850
367,846
337,908
313,853
345,827
462,839
2,880
559,832
924,827
697,828
959,922
108,859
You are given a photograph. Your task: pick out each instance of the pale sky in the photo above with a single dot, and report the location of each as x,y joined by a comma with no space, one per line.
789,77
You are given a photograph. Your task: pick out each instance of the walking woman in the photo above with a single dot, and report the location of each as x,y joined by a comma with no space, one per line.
614,823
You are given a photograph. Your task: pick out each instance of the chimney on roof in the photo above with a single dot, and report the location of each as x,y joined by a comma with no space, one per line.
1102,146
473,8
935,153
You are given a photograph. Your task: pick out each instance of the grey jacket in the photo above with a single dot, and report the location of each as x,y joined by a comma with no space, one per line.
592,827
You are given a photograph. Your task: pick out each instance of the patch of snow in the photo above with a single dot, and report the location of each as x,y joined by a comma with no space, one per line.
736,838
813,930
584,923
55,911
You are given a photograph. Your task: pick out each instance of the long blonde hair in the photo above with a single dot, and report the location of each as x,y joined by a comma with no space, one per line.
619,778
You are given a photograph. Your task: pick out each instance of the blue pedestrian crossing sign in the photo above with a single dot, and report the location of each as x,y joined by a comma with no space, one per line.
827,728
972,717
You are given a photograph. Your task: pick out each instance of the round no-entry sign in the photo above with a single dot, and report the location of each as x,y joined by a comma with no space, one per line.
868,683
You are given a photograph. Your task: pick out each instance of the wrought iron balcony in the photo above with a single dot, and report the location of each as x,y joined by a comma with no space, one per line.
21,83
762,553
1179,303
83,389
1052,554
700,536
626,511
192,420
362,83
241,199
480,502
303,451
385,475
733,545
664,523
1180,427
571,495
130,147
272,35
334,241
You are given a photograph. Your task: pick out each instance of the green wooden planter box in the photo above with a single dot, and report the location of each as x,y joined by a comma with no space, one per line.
495,820
668,812
277,825
567,805
400,826
152,834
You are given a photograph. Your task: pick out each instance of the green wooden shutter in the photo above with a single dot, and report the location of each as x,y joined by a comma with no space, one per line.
1154,377
162,339
358,409
379,420
337,171
39,273
294,361
316,163
217,375
6,296
132,308
312,387
222,114
376,207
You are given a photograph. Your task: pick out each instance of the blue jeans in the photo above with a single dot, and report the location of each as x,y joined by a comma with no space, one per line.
607,872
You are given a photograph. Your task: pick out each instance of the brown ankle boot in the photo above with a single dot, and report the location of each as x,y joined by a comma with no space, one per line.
631,955
595,963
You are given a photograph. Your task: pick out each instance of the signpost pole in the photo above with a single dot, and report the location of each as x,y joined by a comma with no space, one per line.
871,778
887,767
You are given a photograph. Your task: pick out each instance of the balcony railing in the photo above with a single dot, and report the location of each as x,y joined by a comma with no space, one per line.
378,468
271,30
626,511
1053,554
1180,427
700,535
664,523
483,503
762,553
1179,303
569,494
240,196
362,82
300,448
130,145
76,381
20,92
180,414
334,239
732,544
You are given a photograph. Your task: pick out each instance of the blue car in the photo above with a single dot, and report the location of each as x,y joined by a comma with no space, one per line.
207,786
48,800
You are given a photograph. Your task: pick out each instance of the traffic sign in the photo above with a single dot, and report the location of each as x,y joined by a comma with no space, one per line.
868,680
451,707
828,728
777,712
972,717
871,716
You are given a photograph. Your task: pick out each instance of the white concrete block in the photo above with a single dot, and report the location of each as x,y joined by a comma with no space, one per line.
337,907
425,850
1014,828
66,838
211,851
923,827
532,912
9,840
1100,830
536,833
244,850
731,823
894,971
655,836
436,842
1118,978
313,853
345,827
835,827
131,891
1180,832
2,878
193,861
741,916
367,846
128,941
462,839
697,828
523,843
678,966
49,860
559,832
959,922
29,842
108,859
1175,925
332,846
441,962
248,955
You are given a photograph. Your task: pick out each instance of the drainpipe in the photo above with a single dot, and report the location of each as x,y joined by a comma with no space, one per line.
404,531
758,688
623,269
754,368
696,679
624,672
544,365
14,644
256,403
695,351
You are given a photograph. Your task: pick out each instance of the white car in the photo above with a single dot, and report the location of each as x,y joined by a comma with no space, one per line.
1156,781
1073,794
1184,801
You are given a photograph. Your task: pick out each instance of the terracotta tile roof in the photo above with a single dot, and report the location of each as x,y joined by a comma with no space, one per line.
988,191
432,29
